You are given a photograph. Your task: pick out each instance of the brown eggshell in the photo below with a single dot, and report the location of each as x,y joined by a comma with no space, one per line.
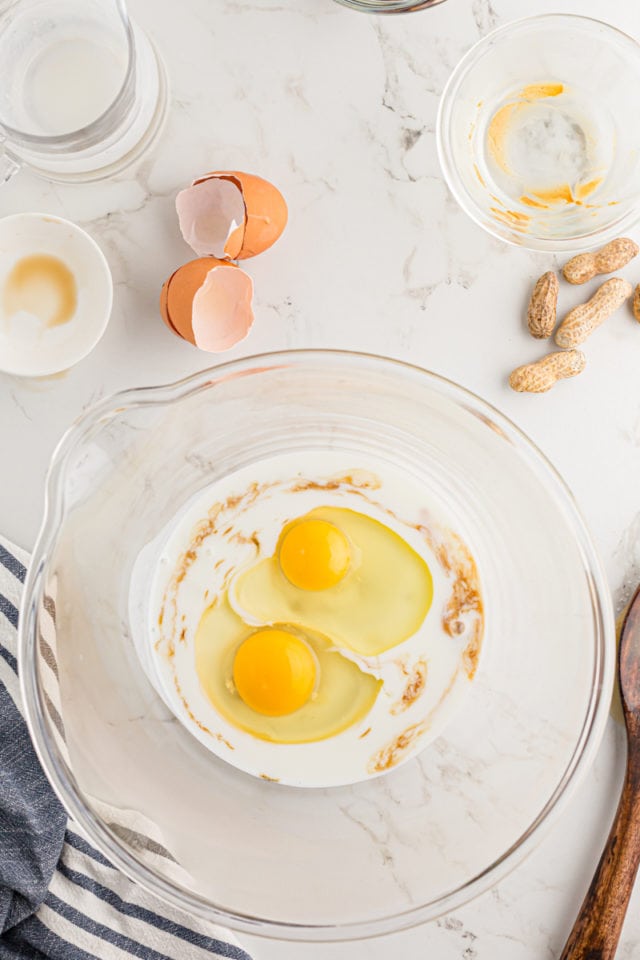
266,211
208,303
164,299
182,287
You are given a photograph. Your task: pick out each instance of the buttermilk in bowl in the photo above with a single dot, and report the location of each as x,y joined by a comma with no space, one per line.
313,619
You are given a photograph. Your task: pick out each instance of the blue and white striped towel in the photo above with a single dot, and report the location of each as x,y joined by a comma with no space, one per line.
60,899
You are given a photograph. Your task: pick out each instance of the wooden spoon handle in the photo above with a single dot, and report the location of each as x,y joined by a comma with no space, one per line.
598,927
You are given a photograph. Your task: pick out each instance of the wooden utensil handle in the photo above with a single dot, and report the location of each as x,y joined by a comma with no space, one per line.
597,930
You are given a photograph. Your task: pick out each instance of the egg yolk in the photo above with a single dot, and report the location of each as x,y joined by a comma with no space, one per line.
314,555
274,672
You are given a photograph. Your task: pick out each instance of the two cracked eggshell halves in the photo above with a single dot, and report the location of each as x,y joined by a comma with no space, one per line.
224,216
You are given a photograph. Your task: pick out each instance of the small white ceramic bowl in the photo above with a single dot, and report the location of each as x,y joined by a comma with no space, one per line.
28,347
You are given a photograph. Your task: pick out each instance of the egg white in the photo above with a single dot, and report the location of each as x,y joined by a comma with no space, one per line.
264,497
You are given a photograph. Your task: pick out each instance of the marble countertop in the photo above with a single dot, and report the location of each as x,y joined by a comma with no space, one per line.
338,109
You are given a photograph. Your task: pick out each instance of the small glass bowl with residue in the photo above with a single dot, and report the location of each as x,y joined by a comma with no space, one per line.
536,135
55,294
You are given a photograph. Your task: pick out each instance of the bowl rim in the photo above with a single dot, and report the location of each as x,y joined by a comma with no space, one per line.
581,241
385,7
63,781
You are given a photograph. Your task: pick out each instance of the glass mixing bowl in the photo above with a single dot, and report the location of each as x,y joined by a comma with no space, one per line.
534,136
317,864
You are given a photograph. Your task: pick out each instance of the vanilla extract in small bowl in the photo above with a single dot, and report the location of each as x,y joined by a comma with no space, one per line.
55,294
43,288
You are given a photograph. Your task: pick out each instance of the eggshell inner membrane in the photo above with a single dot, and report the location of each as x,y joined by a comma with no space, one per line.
212,214
222,314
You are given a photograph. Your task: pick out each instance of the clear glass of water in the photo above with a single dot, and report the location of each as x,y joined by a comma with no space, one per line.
84,91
